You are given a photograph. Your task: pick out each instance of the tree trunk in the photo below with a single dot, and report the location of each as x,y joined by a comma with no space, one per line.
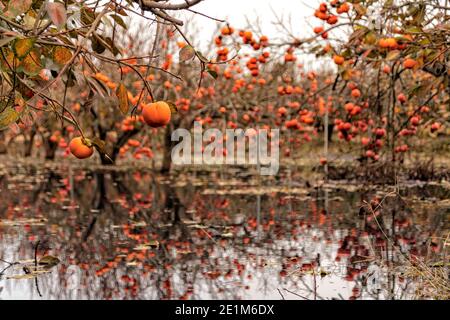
29,142
167,155
3,149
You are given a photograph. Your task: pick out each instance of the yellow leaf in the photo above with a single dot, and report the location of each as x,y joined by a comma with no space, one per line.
61,55
32,64
187,53
172,106
10,62
8,117
22,47
122,95
392,55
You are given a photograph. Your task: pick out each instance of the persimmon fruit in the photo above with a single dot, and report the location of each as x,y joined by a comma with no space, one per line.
409,63
156,114
80,149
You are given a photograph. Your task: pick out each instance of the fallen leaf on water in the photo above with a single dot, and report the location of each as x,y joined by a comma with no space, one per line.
148,245
48,261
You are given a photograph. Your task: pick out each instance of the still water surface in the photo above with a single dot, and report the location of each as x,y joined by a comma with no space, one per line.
129,234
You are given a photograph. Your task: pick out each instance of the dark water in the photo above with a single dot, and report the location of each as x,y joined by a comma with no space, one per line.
129,234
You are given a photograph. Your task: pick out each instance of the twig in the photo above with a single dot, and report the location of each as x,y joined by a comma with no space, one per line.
282,297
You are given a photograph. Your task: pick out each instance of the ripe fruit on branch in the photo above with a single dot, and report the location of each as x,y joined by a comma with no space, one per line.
409,63
156,114
332,19
356,93
435,126
318,30
338,59
390,43
401,98
343,8
80,149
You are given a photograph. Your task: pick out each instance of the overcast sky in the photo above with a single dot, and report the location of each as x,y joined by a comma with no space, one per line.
236,12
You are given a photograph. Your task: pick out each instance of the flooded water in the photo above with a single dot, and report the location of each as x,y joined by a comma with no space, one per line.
129,234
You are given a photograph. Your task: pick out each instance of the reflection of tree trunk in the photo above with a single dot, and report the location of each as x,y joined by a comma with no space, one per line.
98,203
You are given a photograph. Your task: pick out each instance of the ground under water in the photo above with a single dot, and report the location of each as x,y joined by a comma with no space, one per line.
130,234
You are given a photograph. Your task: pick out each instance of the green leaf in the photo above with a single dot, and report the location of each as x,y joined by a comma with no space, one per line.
97,46
212,73
187,53
118,19
122,95
201,57
87,15
17,7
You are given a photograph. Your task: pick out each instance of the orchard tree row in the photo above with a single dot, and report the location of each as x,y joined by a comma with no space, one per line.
77,77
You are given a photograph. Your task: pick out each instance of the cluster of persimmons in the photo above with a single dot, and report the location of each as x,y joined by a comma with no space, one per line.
264,85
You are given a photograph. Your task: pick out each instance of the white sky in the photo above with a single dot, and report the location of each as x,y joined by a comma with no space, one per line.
297,17
236,11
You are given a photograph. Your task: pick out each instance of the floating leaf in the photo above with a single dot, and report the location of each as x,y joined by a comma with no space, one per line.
32,63
148,245
122,95
22,276
21,47
48,261
187,53
57,13
61,55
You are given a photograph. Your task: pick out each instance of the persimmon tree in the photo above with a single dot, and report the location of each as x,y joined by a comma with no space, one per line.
392,67
48,45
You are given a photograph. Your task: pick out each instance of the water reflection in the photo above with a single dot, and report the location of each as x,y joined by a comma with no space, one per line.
132,235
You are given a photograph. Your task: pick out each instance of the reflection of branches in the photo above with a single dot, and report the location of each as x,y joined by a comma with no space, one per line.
36,246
